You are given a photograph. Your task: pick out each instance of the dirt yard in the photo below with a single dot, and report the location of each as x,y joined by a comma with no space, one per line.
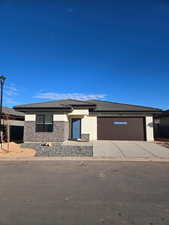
14,150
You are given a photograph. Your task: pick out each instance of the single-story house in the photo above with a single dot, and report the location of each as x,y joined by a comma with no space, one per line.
58,121
161,126
12,122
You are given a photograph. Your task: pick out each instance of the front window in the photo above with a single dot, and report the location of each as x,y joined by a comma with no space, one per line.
44,123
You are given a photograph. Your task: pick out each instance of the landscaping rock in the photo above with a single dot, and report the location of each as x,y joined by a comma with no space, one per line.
60,150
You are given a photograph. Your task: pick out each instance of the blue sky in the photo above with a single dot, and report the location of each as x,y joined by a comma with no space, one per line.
112,50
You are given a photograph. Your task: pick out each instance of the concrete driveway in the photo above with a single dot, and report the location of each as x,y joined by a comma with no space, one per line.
126,150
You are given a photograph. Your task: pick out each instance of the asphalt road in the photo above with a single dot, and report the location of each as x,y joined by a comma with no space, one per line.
84,193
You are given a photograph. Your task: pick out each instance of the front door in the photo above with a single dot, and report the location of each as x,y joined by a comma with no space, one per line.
76,128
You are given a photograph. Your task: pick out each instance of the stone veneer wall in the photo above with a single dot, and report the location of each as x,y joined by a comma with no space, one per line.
60,132
60,150
85,137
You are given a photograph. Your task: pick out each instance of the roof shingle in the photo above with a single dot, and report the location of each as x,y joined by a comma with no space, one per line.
11,111
114,106
97,104
65,103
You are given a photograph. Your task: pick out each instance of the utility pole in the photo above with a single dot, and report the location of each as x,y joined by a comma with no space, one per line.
2,81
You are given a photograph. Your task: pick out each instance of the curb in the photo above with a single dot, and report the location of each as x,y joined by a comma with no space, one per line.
83,159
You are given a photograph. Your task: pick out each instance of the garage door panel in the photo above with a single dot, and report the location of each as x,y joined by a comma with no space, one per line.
126,128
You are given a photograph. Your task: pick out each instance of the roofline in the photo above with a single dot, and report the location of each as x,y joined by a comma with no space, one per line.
31,105
139,106
134,111
94,105
66,109
165,113
12,117
10,114
42,109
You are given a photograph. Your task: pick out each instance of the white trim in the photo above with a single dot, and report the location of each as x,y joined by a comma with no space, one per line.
60,117
78,112
13,122
30,117
149,128
89,126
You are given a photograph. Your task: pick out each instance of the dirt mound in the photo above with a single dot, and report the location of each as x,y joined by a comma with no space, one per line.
14,150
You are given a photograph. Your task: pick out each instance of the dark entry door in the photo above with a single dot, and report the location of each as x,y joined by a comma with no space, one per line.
76,128
123,128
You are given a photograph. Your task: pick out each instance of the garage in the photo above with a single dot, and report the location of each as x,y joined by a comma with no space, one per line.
121,128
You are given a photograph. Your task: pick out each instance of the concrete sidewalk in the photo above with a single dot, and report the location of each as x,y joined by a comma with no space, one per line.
130,150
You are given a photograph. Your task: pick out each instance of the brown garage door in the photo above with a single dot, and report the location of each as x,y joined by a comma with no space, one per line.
113,128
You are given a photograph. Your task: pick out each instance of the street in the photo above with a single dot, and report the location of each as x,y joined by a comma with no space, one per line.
84,193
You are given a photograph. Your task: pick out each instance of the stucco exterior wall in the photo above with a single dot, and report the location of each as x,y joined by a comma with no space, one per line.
149,128
30,117
89,126
80,112
162,129
62,129
164,121
60,117
13,122
56,117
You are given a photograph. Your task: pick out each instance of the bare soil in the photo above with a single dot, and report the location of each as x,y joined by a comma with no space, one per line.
14,150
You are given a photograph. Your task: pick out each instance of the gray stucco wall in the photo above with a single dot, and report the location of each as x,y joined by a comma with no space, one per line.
60,132
164,127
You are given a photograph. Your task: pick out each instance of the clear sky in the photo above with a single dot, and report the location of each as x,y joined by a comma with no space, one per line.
112,50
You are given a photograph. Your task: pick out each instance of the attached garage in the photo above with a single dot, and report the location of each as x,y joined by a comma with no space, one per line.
121,128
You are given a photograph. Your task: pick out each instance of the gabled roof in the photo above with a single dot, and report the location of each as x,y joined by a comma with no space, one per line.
119,107
96,105
12,112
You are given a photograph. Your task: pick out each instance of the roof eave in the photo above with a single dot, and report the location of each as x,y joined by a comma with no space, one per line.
43,109
129,111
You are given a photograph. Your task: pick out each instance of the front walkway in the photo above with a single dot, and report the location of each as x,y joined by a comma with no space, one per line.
126,150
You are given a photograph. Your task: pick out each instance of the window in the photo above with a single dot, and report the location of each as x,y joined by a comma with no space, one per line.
44,123
120,123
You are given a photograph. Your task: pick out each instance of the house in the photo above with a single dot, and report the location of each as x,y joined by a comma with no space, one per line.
13,123
161,126
58,121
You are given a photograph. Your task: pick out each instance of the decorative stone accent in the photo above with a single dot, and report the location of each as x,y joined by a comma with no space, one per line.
85,137
60,132
60,150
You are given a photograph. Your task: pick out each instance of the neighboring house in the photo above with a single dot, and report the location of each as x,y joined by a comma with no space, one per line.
161,126
15,121
58,121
